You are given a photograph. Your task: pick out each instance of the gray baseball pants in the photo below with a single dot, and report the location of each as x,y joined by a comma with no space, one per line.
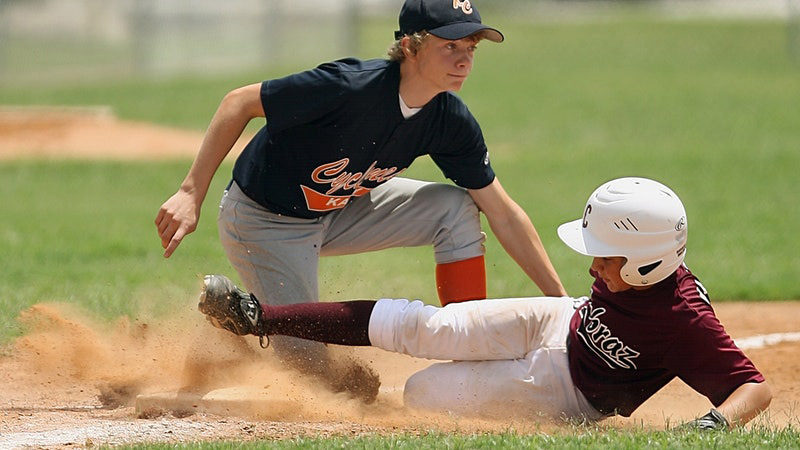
276,256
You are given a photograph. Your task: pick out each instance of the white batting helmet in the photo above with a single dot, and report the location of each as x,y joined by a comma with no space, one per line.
637,218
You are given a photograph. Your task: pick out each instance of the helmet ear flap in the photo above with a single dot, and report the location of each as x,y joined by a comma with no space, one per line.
647,268
635,274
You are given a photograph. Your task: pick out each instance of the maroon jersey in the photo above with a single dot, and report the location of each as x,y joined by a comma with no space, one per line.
624,347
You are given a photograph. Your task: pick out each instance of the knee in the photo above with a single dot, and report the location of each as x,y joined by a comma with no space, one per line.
459,221
454,202
417,392
432,390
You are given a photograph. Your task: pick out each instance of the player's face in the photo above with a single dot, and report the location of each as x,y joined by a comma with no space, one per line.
608,268
446,64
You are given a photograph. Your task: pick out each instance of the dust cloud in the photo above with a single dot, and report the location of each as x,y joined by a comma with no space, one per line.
65,346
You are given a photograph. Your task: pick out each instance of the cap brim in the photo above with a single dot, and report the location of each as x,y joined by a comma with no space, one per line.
461,30
572,233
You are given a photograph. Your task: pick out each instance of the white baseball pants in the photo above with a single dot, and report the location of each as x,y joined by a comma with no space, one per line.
509,356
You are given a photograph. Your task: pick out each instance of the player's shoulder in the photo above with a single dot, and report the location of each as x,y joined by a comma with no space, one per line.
355,74
694,302
354,67
452,101
453,108
689,286
362,65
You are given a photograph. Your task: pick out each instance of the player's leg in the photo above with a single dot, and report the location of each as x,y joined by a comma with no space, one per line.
536,386
407,213
512,351
511,355
484,330
459,281
523,388
277,258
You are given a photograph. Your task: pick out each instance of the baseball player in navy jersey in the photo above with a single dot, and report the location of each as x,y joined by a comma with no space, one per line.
322,177
647,320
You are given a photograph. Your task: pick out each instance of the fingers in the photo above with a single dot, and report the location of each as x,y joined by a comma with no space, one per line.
166,226
172,236
161,221
176,240
160,216
166,229
176,218
171,231
167,234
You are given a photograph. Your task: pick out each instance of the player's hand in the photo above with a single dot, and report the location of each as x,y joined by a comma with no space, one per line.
177,217
711,421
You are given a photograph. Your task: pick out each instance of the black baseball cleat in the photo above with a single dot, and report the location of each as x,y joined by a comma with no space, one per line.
230,308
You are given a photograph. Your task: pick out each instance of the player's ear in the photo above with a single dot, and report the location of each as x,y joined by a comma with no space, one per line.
405,44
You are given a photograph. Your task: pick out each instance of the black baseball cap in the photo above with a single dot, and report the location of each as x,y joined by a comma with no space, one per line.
447,19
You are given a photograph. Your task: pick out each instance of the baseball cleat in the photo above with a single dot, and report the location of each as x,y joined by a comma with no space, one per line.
230,308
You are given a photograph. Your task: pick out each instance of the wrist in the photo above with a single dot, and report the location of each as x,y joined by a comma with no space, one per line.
713,420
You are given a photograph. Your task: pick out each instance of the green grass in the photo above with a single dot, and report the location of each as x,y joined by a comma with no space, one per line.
183,102
83,233
578,439
709,108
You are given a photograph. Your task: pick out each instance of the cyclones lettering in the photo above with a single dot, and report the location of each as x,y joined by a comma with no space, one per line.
334,174
348,184
597,336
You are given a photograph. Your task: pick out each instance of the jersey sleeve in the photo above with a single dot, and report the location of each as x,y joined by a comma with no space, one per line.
462,155
302,97
709,361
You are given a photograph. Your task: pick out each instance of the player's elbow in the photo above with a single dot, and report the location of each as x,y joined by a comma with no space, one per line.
765,396
244,101
759,396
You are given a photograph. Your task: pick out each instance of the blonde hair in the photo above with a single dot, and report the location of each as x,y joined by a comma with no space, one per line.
396,52
416,41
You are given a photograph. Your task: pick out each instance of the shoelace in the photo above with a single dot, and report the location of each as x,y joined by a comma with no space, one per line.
253,313
261,330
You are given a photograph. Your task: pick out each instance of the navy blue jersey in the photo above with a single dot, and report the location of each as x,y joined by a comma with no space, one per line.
625,346
336,132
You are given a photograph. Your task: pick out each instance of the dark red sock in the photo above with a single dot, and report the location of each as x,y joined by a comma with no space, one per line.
343,323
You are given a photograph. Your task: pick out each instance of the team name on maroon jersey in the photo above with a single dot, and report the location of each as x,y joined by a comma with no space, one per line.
597,337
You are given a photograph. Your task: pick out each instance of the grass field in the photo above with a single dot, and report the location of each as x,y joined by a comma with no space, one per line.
709,108
581,439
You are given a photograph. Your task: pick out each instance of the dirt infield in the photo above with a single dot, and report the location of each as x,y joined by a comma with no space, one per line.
70,382
90,132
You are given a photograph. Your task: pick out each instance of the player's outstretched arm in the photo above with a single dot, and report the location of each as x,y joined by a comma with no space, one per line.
518,236
739,408
746,402
178,216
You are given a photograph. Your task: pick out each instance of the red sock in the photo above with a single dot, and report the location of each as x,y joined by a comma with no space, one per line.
460,281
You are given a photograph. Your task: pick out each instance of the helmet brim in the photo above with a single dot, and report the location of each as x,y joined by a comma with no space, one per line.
573,234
